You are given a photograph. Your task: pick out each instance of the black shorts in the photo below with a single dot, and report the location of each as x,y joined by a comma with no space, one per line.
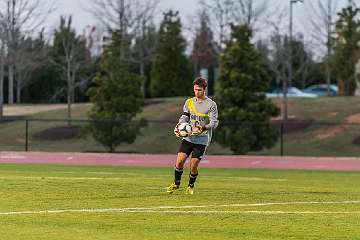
197,150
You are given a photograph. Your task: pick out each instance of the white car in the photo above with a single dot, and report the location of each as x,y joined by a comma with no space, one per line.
292,92
322,90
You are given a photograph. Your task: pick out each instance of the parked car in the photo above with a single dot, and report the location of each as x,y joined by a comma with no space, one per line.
292,92
321,90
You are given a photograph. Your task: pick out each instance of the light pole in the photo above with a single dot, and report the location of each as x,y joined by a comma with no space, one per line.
285,83
291,37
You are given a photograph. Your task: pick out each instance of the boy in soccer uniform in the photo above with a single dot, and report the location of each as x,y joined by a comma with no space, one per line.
202,114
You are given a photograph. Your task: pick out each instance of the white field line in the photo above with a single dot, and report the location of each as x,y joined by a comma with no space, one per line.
247,178
64,178
131,174
173,209
115,210
241,212
121,176
58,178
203,176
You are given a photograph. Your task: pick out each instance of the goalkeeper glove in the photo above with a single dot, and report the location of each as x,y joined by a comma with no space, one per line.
176,130
198,130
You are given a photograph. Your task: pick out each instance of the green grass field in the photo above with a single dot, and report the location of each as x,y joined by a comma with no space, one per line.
131,203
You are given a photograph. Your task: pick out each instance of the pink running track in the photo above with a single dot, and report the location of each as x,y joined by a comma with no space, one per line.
147,160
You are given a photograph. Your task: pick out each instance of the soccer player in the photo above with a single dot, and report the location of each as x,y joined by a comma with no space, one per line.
201,112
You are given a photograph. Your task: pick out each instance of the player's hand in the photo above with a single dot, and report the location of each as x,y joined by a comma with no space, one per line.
198,130
176,130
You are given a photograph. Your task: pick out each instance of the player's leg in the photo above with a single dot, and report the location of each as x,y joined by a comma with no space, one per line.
179,167
197,154
183,153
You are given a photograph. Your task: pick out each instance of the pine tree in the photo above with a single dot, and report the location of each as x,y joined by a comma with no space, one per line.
171,74
346,49
116,98
243,109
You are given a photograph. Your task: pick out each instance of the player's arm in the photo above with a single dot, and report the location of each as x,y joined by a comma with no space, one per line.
213,118
184,118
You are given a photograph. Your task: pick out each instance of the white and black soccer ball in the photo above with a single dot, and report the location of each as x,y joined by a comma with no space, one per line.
184,129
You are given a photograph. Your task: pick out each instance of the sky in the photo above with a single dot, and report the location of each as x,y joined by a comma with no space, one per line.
82,18
187,9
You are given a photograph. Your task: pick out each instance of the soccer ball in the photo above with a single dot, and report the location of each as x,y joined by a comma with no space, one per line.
184,129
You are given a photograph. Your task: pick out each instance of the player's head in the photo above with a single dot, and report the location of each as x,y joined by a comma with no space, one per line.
200,85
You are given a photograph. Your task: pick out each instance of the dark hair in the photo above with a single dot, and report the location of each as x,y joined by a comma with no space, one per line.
202,82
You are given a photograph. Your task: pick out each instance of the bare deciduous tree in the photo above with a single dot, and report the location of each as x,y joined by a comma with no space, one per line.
221,14
322,19
2,73
94,38
123,16
279,55
133,20
143,33
3,38
130,18
72,57
29,56
249,11
20,17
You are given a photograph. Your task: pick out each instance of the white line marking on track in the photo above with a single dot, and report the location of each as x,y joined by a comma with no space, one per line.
12,157
172,209
256,162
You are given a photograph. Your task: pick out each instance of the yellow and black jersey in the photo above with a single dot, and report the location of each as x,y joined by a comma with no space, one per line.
200,112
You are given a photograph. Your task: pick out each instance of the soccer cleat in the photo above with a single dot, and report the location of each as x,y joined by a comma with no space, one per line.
172,188
189,190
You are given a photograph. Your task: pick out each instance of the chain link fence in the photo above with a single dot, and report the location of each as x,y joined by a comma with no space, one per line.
300,138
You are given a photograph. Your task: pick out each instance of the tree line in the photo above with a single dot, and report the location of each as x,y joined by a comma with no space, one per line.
33,65
128,57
